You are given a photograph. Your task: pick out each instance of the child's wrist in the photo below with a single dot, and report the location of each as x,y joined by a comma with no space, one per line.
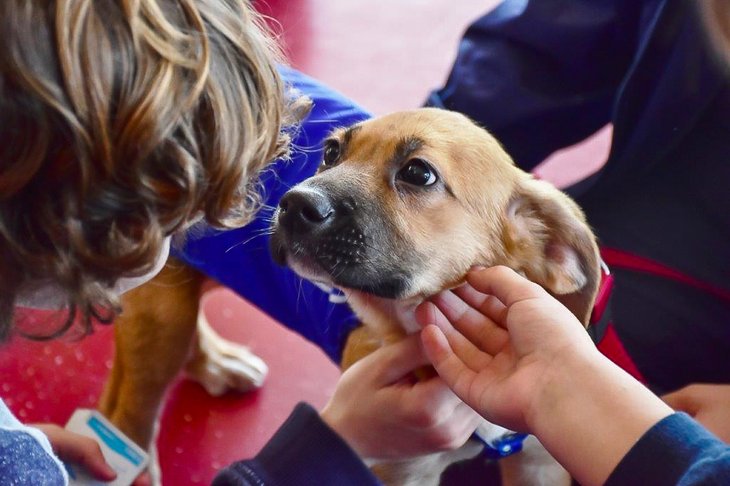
588,413
564,384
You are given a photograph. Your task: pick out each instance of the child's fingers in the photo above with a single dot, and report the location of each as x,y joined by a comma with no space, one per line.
489,305
483,324
505,284
79,449
449,366
143,479
392,362
431,313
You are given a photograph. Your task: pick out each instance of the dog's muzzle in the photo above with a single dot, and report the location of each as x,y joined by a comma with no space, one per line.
333,240
315,228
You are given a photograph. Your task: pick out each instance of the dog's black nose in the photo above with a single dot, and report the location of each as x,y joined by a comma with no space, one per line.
304,210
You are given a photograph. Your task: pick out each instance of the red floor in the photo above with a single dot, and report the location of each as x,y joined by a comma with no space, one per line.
45,382
387,56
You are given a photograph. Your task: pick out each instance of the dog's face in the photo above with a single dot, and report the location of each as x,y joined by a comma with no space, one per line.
404,205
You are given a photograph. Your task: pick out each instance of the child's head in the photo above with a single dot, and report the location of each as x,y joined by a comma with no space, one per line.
120,121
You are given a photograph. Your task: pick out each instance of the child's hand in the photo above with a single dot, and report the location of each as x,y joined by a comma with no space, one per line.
495,339
143,479
522,360
79,449
709,404
384,415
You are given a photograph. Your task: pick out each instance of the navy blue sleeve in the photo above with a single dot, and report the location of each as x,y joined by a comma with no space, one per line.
676,451
304,451
240,258
542,74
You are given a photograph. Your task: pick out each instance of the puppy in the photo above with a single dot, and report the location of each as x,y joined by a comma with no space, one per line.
401,208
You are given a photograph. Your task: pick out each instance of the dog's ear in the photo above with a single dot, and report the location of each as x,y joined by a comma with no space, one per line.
547,239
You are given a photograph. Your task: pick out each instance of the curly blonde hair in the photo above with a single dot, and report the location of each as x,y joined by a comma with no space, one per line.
120,121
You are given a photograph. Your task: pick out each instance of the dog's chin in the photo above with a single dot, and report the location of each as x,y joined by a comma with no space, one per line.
309,270
393,288
387,284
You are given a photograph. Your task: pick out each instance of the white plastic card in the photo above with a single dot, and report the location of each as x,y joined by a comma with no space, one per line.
120,452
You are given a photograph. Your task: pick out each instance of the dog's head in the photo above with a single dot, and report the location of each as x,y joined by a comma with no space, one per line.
404,205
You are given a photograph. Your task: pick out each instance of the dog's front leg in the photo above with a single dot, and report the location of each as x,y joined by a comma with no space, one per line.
220,365
153,338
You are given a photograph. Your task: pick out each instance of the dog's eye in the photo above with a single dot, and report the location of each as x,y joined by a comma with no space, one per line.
331,152
418,173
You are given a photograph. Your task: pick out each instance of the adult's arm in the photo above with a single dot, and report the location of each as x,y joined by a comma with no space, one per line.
542,74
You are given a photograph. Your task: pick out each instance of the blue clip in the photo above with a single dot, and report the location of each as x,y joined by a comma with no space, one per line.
508,444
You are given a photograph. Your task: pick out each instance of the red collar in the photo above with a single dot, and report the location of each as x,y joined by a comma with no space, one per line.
601,314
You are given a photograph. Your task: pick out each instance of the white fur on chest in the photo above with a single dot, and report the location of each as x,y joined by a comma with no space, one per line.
386,317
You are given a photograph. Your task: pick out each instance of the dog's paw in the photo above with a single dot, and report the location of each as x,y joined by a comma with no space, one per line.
221,366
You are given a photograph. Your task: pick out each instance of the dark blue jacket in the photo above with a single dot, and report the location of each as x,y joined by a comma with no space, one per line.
303,452
677,451
545,74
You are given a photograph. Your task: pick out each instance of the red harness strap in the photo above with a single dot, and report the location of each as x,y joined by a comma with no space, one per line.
622,259
603,333
601,325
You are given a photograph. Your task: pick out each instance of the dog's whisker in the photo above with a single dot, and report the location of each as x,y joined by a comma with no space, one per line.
335,273
267,208
256,234
300,292
377,250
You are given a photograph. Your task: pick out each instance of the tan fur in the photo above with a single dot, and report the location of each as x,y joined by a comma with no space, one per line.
497,214
361,342
492,213
501,215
